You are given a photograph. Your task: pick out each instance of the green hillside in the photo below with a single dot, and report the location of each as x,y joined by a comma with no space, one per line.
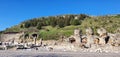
53,27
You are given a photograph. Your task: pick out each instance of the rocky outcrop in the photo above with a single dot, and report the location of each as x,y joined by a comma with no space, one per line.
76,38
104,42
11,36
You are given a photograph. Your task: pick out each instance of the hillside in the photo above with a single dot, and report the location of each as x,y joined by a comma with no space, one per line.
53,27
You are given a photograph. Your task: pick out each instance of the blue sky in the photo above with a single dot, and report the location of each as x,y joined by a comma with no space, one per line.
13,12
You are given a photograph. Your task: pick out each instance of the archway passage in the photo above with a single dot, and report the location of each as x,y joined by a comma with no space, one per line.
72,40
107,39
34,35
96,41
84,40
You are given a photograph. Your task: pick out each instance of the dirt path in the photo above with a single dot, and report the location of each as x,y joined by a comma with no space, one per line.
54,54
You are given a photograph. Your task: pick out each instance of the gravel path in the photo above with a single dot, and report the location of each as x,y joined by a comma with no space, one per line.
54,54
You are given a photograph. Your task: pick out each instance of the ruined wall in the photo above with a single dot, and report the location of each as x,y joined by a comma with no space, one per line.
10,37
77,36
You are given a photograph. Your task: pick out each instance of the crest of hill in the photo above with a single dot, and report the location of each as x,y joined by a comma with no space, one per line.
53,27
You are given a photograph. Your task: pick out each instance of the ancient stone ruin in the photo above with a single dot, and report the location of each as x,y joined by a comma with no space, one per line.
11,37
103,42
76,38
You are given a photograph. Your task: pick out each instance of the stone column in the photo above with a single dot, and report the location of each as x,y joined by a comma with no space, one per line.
103,36
77,36
34,40
90,38
40,41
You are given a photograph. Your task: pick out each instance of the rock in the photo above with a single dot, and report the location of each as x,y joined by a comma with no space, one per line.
77,36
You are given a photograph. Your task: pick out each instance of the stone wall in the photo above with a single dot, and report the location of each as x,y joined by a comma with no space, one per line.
10,37
77,36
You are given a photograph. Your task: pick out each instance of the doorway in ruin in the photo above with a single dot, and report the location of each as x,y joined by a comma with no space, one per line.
35,36
107,39
72,40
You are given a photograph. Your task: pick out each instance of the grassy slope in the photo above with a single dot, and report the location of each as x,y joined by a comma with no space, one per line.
110,23
55,33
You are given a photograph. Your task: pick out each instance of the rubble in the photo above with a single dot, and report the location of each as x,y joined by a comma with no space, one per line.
103,42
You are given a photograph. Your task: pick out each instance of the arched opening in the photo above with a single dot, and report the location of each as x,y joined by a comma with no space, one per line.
107,39
34,35
84,40
71,40
96,41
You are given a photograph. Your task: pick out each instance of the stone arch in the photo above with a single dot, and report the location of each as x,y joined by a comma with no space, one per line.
84,40
96,41
107,39
26,36
72,40
35,35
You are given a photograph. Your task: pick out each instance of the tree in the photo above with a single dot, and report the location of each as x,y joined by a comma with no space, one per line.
61,24
82,16
66,22
75,22
27,24
39,26
53,22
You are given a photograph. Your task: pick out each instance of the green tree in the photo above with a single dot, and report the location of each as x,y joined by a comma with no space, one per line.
75,22
27,24
39,26
53,22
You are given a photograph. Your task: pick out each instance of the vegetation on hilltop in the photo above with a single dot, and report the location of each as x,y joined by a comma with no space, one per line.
60,21
54,27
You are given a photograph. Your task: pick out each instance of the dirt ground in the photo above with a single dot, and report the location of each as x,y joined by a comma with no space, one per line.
24,53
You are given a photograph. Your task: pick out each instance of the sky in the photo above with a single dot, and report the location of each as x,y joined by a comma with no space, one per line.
13,12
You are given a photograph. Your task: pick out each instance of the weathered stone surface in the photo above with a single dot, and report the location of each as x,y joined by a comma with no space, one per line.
89,31
105,42
77,36
114,39
90,37
7,37
103,35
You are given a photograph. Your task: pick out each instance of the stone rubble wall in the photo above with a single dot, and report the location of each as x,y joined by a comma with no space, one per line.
10,37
